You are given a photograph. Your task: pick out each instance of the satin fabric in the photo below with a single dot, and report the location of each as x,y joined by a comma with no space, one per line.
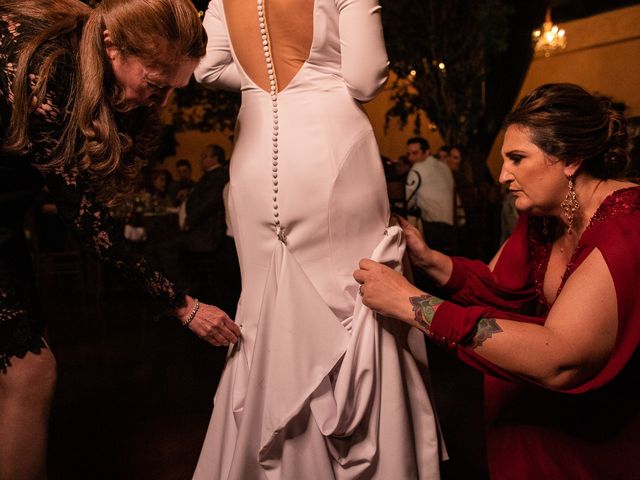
318,387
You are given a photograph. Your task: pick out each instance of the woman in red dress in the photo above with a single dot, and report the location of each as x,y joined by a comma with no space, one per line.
554,320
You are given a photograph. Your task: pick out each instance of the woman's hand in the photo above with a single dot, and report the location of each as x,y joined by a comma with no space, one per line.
385,290
211,324
418,250
437,266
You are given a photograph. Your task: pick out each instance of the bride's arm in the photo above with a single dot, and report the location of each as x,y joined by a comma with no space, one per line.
364,57
217,68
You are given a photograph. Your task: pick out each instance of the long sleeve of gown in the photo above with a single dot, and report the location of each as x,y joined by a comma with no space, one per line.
217,67
78,207
364,57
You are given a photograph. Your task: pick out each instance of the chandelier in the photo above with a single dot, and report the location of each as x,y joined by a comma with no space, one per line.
549,37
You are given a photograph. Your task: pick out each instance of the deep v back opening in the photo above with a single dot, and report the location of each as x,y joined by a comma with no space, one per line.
290,28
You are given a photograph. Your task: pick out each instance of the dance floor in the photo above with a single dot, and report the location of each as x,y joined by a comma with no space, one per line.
135,393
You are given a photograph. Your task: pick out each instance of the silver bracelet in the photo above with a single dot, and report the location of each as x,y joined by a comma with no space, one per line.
192,315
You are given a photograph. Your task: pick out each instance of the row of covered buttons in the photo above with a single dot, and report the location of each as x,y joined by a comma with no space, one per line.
273,92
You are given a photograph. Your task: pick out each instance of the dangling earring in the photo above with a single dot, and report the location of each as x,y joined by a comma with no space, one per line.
570,205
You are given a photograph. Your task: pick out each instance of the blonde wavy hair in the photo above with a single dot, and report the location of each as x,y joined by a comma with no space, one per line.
159,32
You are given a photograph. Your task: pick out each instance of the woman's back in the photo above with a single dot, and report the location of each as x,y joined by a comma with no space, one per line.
337,42
289,29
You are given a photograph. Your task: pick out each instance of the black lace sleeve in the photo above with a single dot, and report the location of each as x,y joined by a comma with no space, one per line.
76,201
97,231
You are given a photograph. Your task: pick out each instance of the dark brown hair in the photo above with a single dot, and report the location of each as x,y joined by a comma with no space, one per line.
158,31
567,122
424,143
218,152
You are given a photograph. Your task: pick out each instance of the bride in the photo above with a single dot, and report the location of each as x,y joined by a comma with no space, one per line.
316,388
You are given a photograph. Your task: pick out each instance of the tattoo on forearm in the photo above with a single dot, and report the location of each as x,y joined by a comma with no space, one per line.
484,330
424,308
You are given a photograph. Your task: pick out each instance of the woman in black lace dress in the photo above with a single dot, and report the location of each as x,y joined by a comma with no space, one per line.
75,84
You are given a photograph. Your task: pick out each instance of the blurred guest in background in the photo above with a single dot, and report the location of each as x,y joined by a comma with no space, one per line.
160,179
479,197
443,153
430,188
179,189
202,220
464,189
455,162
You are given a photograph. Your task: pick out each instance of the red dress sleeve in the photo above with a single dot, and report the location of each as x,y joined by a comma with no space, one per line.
509,287
475,292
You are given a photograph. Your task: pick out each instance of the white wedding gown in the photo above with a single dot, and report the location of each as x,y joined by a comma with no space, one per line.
318,387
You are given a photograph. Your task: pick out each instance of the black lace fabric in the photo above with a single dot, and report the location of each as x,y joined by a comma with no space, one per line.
72,191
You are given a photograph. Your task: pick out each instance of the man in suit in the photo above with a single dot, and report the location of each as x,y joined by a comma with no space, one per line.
192,256
204,224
